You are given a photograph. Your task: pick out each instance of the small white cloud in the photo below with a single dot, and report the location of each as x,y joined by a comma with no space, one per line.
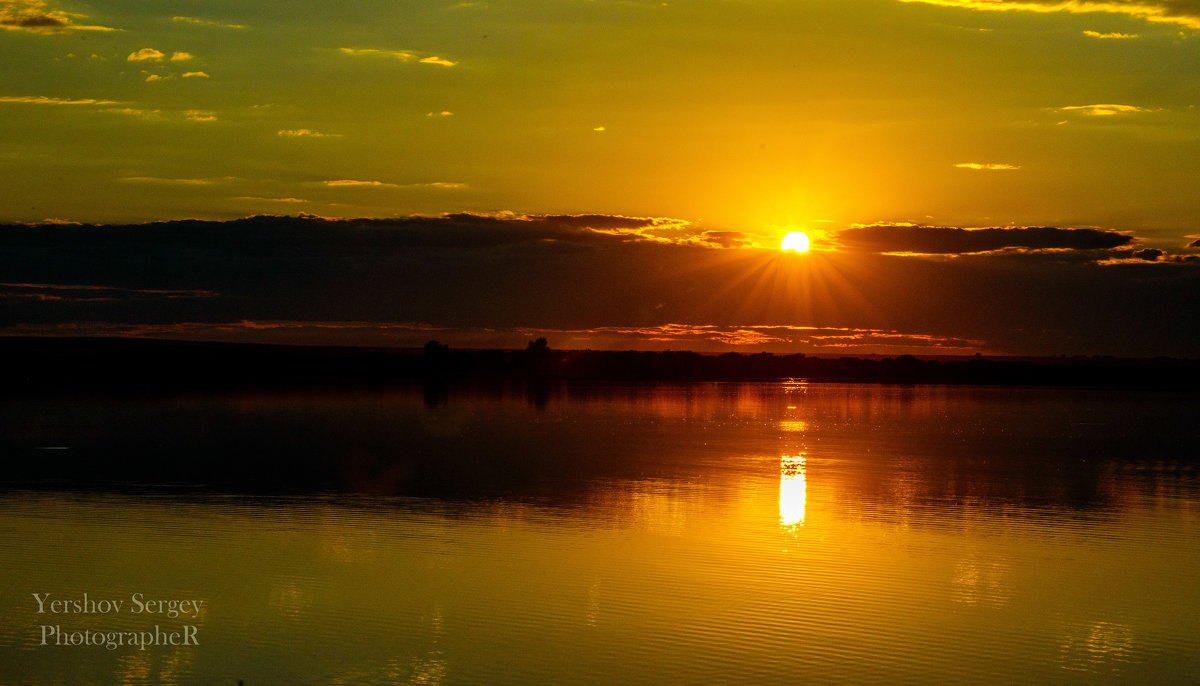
443,113
338,183
371,52
200,115
155,77
195,75
444,185
181,56
145,54
1103,110
1111,36
984,166
599,128
402,55
134,112
306,133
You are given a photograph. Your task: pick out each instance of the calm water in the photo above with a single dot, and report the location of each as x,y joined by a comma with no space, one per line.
716,534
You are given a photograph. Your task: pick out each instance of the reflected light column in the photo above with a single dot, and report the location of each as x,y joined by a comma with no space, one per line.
793,492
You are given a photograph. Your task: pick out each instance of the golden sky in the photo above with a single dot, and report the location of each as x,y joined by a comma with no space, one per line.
738,114
730,121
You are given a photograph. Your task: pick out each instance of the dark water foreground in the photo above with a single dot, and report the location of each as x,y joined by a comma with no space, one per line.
774,533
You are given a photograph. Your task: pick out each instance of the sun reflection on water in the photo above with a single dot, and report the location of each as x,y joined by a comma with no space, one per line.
793,492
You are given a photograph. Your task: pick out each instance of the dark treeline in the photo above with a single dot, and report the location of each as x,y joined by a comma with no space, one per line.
116,364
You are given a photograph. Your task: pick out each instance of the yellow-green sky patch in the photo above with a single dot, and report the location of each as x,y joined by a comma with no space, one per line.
732,114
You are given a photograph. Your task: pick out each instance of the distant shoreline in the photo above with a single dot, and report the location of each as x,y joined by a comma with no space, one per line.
62,365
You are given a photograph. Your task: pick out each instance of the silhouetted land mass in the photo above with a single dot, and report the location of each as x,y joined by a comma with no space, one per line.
50,365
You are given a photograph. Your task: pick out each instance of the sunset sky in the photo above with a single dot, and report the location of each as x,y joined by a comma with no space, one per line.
625,167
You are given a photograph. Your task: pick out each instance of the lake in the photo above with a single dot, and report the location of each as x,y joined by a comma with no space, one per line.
775,533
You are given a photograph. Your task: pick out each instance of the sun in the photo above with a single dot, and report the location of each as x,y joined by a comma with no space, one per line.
795,240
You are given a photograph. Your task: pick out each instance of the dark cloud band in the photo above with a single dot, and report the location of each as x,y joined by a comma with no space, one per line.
941,240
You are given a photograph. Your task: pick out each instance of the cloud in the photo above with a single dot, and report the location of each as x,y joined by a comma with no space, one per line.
33,16
600,129
136,112
181,56
43,100
942,240
44,292
1103,110
443,113
283,200
206,22
1148,254
1194,244
987,166
200,115
726,239
1111,36
195,75
1184,13
354,183
402,55
306,133
145,54
613,281
175,182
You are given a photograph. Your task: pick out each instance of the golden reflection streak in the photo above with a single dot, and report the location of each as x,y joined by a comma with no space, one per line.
793,492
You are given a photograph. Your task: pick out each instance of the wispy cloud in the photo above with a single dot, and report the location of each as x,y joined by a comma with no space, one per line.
175,182
43,100
1184,13
443,113
354,183
1111,36
136,112
1103,110
207,22
306,133
200,115
987,166
402,55
91,293
34,16
250,198
195,75
145,55
181,56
